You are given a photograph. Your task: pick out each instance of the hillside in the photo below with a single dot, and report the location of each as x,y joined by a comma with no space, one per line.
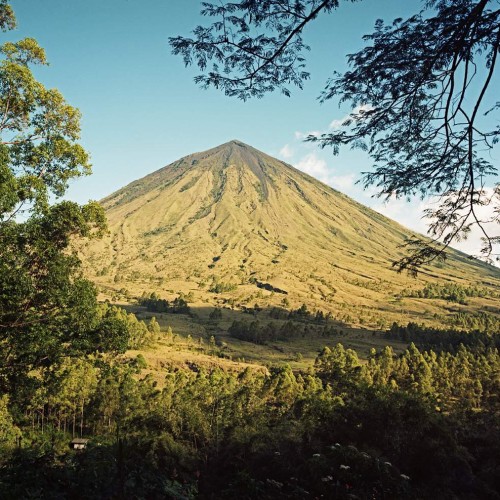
235,226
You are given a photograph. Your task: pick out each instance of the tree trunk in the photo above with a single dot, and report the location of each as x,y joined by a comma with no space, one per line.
81,420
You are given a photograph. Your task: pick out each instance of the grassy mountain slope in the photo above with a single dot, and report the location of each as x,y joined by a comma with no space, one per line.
234,220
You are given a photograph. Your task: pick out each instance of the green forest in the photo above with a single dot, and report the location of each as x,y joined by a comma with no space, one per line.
421,423
417,425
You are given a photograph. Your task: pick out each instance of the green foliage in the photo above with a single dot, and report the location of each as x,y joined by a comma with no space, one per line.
339,366
140,362
216,314
47,310
155,304
450,339
220,287
118,330
421,424
267,286
9,432
450,291
154,327
40,133
7,17
260,334
302,314
66,389
482,321
397,426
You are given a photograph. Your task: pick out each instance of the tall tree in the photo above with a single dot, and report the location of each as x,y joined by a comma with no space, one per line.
46,308
419,90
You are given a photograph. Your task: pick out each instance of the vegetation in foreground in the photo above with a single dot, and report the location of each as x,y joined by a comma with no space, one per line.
419,425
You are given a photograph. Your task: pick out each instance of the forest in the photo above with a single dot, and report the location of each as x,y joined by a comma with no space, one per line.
417,425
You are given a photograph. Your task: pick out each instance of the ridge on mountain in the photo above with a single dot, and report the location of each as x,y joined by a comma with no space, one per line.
233,151
236,216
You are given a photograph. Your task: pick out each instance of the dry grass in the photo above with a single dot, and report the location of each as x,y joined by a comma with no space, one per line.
237,216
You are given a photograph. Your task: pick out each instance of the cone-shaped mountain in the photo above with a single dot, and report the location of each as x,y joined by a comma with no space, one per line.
235,215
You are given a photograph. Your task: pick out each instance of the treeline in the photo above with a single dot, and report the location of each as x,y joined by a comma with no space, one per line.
449,339
449,291
268,287
300,323
221,287
453,381
254,331
153,303
124,330
302,313
483,321
417,425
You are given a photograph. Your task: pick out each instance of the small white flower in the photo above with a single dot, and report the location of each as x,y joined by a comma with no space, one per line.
277,484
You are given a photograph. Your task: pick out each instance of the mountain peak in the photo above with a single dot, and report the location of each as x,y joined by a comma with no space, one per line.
233,146
235,216
235,142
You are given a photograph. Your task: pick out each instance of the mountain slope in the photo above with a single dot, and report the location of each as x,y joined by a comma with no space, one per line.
235,216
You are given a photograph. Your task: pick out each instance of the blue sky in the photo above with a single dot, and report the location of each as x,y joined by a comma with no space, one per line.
141,109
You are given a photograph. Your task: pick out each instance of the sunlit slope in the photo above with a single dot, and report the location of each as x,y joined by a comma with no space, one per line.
235,215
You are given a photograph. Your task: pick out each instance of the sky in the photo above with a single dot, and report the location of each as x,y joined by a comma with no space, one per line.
141,109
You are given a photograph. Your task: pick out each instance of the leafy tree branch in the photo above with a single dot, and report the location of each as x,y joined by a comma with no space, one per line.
421,90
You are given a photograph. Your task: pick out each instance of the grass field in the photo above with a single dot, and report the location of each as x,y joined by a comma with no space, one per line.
185,349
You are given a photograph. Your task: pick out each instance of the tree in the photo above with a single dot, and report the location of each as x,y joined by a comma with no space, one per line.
47,309
154,328
341,367
418,89
9,432
216,314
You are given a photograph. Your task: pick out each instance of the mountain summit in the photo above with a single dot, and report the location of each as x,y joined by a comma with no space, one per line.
238,217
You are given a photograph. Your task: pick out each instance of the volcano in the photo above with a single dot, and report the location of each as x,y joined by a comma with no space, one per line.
261,230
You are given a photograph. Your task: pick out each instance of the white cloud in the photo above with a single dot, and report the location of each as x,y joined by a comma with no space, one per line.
343,182
410,214
318,168
302,135
313,165
286,152
336,124
487,215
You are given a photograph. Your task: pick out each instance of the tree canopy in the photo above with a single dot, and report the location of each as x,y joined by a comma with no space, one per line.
47,309
420,90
